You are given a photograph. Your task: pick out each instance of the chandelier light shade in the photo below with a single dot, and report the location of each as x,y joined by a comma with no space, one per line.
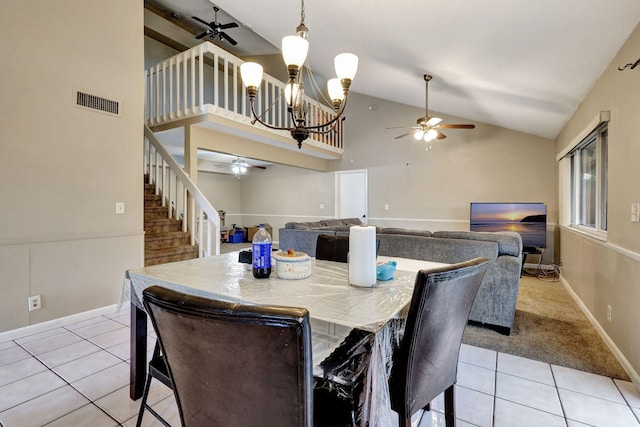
294,54
251,73
292,94
346,66
334,87
294,51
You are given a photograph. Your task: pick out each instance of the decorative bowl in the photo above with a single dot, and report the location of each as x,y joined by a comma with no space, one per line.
292,264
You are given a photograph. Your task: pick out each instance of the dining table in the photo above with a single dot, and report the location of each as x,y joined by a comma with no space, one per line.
354,329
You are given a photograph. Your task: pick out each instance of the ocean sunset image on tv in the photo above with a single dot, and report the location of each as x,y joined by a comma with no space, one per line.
527,219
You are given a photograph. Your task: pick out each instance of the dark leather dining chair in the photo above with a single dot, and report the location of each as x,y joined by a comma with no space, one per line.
158,370
335,248
233,364
332,248
426,362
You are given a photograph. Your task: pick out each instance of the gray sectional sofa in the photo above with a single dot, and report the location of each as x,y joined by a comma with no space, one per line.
495,303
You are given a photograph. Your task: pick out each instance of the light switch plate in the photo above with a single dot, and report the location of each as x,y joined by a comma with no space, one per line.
120,208
635,212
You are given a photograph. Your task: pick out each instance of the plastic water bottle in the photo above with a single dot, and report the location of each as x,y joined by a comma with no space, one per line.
261,249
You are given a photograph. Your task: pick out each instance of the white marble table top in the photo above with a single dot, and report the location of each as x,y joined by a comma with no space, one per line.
326,293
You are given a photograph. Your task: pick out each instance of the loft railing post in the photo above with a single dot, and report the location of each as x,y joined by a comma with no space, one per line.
171,92
225,89
193,81
235,88
201,77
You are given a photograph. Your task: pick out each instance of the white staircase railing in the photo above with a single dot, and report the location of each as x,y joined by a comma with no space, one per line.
181,197
206,79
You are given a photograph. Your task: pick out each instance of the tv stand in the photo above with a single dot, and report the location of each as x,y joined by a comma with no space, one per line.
528,250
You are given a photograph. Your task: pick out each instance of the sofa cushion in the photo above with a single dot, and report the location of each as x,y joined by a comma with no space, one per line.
404,231
438,250
509,243
304,225
351,221
332,222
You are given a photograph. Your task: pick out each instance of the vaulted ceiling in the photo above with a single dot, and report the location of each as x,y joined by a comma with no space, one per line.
522,65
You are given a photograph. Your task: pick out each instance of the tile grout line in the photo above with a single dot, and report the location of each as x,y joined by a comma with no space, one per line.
67,383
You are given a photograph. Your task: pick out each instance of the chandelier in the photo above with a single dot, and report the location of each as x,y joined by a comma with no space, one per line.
294,53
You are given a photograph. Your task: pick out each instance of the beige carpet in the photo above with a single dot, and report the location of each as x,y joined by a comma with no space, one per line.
550,327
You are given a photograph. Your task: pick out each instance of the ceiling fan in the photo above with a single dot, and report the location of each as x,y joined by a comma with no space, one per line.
215,28
428,128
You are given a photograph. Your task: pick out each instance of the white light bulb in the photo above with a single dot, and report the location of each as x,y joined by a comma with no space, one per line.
418,135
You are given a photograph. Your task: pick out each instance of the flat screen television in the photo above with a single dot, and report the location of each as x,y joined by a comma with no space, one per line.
528,219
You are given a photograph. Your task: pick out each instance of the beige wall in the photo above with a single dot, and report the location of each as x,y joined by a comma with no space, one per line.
63,168
424,189
608,273
433,189
224,192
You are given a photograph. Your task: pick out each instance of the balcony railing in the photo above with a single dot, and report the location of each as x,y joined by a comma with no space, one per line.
206,80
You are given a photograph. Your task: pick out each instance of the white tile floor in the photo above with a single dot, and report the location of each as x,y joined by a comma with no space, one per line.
78,375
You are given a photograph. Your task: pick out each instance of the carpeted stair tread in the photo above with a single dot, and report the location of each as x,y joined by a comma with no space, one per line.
164,240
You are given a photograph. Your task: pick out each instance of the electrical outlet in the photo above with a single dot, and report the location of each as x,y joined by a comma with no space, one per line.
609,313
120,208
35,303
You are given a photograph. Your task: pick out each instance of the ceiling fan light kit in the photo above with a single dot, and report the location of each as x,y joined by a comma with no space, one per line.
294,53
428,128
239,167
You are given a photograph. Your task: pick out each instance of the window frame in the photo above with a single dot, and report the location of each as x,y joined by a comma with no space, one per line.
599,137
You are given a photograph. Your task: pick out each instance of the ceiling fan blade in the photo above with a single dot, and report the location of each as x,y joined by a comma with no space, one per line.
201,21
229,25
405,134
445,126
404,127
225,36
206,33
433,121
441,135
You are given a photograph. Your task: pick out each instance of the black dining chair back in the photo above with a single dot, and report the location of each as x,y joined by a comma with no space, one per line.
332,248
335,248
233,364
426,362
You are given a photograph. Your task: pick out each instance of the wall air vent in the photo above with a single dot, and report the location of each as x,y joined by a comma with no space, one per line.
97,103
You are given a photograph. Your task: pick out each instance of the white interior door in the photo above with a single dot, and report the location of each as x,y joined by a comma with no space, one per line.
351,194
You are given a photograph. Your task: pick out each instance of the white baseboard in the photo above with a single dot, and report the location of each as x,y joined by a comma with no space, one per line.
56,323
635,378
